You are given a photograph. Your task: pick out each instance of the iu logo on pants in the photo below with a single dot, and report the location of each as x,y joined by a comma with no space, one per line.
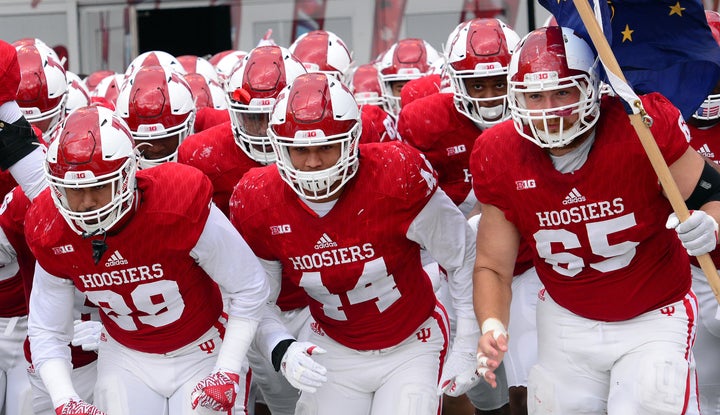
424,334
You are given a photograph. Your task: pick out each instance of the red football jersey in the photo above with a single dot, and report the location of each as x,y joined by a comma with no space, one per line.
707,142
152,294
14,292
364,278
446,137
210,117
382,123
7,182
598,233
216,154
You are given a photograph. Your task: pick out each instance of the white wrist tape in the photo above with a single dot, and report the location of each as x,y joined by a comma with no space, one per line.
494,325
239,333
56,375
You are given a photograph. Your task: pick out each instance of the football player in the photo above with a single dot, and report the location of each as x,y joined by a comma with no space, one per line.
569,176
346,223
444,127
153,253
705,132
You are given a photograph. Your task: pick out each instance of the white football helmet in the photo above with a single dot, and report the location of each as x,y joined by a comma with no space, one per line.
481,48
365,86
548,59
42,93
157,103
108,89
710,108
316,109
94,147
252,90
78,94
207,93
227,64
323,51
154,58
406,60
196,64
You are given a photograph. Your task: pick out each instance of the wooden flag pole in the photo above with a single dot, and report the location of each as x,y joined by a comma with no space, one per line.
646,138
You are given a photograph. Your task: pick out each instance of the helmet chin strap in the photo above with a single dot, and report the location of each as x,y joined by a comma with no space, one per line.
99,247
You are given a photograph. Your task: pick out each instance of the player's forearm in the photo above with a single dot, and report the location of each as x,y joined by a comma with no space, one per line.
17,138
56,375
270,332
239,333
491,295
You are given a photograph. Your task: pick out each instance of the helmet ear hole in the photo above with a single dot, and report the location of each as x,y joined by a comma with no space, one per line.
550,59
93,148
316,110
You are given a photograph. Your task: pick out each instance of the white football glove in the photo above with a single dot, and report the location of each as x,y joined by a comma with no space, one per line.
458,375
78,407
300,369
87,334
698,233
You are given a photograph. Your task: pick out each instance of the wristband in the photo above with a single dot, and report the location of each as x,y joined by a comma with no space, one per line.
279,351
494,325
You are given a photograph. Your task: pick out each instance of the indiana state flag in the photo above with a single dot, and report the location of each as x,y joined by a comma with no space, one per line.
661,45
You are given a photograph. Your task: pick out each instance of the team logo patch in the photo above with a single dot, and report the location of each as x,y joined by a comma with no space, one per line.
705,151
451,151
573,197
116,259
525,184
65,249
325,242
315,327
280,229
424,334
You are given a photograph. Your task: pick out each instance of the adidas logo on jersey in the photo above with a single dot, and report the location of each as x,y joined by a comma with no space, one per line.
325,242
116,259
705,151
573,197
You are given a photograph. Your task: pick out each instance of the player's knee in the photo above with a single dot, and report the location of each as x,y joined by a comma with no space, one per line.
542,396
662,385
307,404
417,398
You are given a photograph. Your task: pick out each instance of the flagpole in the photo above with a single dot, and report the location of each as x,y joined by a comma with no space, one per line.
641,122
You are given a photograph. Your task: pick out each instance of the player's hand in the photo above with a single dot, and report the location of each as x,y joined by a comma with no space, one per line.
217,391
492,347
87,335
698,233
300,369
77,406
459,374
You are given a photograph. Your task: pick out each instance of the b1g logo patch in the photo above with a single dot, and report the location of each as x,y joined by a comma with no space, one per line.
280,229
525,184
